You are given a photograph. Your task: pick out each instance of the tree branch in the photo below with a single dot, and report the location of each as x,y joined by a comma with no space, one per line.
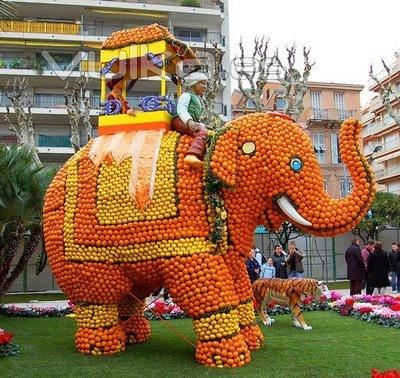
386,92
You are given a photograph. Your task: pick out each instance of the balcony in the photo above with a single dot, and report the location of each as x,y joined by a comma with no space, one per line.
316,114
90,66
382,75
39,27
388,173
53,141
199,36
370,129
208,4
42,105
53,101
89,35
38,67
378,127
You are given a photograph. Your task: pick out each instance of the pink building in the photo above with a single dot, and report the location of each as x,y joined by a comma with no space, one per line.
326,105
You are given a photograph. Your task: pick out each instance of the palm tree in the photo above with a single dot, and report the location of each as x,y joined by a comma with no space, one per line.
23,184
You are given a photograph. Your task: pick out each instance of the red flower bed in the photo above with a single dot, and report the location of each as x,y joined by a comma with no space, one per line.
5,337
386,374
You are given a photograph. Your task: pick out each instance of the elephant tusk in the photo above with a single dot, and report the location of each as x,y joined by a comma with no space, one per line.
291,212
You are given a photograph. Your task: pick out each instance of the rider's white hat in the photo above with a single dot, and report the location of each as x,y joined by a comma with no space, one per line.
194,78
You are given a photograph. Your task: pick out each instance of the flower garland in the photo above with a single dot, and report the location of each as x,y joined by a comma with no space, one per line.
7,348
213,186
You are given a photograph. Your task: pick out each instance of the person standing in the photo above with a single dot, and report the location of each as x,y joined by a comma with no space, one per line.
253,267
279,260
268,270
392,266
378,269
259,256
369,247
355,267
294,261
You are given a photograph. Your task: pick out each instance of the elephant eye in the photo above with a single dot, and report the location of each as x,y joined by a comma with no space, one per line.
296,164
249,148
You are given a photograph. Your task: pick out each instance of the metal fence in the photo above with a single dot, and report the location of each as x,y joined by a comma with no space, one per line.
324,259
325,256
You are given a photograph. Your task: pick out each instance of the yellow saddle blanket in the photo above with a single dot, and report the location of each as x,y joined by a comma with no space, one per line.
142,147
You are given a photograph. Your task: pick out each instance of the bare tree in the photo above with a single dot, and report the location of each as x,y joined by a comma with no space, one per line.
78,107
214,84
23,125
254,71
295,84
387,92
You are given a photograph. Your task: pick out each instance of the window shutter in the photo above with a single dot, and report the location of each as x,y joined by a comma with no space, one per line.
334,149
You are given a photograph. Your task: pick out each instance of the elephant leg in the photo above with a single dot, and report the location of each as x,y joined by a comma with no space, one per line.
99,331
135,325
242,286
202,287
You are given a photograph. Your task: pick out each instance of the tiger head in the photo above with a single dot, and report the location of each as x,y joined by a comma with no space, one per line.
319,288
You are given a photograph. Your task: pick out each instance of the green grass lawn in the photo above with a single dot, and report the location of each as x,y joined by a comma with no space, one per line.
337,346
339,285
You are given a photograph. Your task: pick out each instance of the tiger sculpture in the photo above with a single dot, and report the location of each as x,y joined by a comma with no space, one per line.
290,292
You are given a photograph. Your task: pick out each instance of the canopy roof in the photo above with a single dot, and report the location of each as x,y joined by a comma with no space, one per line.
147,34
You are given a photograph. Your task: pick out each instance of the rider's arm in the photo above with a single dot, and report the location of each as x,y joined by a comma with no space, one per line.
182,108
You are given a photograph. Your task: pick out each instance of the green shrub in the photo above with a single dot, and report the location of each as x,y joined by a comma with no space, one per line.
191,3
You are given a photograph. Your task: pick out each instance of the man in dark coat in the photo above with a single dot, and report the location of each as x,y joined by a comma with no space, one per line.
355,267
253,267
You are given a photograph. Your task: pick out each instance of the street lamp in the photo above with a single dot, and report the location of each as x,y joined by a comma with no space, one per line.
376,149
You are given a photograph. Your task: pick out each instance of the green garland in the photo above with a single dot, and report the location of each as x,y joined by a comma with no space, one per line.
213,195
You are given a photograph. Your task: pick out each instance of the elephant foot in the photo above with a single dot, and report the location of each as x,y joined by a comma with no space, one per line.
226,352
253,336
100,340
137,329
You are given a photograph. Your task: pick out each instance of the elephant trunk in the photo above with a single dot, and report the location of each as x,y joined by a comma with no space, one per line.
321,215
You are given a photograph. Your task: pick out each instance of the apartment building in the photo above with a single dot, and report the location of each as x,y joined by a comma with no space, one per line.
326,105
51,43
381,134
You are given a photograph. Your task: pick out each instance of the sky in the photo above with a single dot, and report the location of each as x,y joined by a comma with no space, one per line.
345,36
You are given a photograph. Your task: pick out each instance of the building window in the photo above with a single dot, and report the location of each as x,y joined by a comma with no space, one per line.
319,147
57,61
318,112
335,149
391,141
280,103
394,187
191,35
345,187
338,101
250,104
387,120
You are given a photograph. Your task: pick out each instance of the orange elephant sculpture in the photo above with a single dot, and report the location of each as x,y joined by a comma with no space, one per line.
108,256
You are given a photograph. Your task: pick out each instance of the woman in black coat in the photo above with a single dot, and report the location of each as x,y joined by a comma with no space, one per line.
378,269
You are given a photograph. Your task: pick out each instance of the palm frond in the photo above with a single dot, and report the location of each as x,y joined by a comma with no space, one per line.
23,186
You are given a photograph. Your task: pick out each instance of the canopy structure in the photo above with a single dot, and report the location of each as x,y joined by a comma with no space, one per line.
141,53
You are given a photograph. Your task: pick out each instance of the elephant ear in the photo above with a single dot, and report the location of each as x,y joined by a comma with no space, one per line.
223,155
